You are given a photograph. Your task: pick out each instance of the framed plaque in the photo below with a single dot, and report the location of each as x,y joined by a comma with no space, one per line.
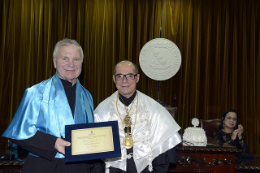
92,141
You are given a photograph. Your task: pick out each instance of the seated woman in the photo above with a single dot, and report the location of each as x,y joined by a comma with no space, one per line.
231,131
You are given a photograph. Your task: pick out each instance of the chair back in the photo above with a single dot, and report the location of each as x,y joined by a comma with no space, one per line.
173,111
210,126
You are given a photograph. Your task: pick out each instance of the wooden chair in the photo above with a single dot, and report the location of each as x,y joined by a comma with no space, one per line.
210,126
173,111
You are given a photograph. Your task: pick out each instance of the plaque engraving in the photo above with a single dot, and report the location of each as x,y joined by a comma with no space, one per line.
92,140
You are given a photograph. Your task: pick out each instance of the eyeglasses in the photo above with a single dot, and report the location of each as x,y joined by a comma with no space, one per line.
130,76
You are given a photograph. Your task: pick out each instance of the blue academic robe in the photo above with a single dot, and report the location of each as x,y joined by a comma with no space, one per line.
45,108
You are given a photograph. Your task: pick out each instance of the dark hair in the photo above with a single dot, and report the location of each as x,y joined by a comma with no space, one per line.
224,116
136,68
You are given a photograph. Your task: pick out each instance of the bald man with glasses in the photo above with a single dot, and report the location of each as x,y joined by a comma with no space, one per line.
148,133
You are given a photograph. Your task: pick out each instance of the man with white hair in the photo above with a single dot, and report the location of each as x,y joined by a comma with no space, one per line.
39,123
148,133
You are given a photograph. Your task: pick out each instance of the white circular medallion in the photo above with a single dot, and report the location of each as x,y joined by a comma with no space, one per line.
160,59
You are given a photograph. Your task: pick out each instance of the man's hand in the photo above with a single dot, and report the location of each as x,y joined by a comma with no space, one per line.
60,145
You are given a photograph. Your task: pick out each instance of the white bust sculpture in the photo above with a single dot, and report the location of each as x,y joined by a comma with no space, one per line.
194,136
195,122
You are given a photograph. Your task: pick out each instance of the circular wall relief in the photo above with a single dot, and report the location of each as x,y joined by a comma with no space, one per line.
160,59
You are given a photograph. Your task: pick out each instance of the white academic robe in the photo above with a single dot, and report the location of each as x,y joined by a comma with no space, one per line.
154,131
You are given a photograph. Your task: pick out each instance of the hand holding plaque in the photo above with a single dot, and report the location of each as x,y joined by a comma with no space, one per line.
60,145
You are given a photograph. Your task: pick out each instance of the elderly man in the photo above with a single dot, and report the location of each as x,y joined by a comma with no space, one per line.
39,123
148,133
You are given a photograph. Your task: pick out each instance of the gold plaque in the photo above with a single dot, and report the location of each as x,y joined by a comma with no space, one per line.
92,140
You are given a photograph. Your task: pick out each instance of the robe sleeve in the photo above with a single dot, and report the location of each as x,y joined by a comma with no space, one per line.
41,144
23,124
